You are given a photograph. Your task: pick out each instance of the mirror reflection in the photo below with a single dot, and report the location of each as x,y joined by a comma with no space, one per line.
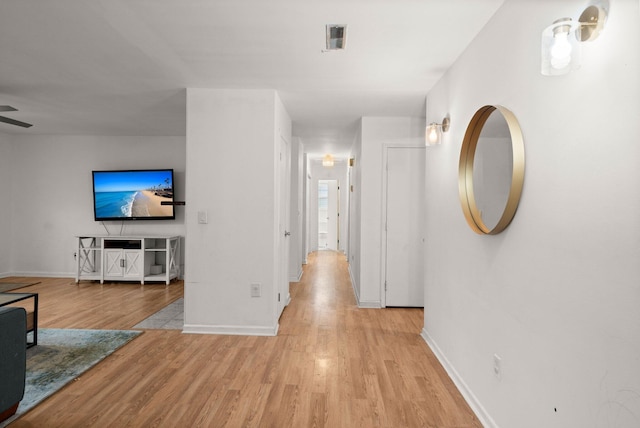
492,169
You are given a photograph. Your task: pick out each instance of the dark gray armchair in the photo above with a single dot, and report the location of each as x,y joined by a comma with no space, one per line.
13,359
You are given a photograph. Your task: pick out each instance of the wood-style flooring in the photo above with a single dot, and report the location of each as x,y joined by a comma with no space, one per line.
331,365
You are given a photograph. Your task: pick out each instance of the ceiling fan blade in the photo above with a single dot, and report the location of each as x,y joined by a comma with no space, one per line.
7,108
15,122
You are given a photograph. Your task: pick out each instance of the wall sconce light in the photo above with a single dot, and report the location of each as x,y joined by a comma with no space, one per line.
327,161
433,134
561,50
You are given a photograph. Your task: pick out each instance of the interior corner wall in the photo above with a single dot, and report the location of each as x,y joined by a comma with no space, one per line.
556,295
52,200
231,176
377,133
6,178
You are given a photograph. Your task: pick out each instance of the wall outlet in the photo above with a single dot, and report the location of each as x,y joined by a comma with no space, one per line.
202,217
256,290
497,366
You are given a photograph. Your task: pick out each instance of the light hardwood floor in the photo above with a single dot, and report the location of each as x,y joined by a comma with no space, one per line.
331,365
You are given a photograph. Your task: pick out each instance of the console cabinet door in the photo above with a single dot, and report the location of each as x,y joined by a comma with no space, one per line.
133,263
113,263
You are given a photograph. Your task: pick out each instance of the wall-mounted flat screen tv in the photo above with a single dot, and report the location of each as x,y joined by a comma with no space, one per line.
133,195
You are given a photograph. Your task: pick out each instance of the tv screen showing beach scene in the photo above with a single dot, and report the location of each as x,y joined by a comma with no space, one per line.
133,195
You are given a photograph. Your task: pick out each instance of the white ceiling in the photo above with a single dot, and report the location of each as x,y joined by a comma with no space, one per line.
120,67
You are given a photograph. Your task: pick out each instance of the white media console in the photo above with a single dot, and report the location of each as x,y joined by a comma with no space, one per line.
128,258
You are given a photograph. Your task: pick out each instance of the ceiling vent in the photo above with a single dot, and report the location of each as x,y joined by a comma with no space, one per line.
336,37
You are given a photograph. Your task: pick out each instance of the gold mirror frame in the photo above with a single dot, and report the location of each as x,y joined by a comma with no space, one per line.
465,170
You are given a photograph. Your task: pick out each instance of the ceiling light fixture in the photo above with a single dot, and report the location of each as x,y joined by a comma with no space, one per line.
327,161
561,49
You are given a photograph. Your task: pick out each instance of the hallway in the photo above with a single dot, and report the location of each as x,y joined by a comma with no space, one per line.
370,366
331,365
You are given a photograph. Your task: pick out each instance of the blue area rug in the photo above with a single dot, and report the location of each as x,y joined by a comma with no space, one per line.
61,356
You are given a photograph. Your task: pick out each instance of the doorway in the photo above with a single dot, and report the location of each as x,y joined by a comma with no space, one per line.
328,215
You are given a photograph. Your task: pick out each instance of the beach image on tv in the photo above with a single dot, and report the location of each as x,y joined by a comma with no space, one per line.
132,194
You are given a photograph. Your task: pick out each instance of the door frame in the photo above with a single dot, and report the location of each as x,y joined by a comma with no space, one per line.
383,228
282,295
333,200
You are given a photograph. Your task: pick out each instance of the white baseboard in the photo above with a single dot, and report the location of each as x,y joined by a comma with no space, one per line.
71,275
298,278
473,402
353,284
370,304
373,304
234,330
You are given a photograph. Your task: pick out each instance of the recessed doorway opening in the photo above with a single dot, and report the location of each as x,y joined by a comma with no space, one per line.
328,215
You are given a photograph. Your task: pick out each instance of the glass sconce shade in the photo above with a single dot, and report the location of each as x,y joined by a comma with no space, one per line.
561,50
433,132
432,136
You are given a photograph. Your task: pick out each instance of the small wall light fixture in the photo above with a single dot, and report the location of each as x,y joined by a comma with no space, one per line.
561,50
433,134
327,161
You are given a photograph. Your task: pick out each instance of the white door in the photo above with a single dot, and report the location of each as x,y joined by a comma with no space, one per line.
328,218
285,231
333,231
405,176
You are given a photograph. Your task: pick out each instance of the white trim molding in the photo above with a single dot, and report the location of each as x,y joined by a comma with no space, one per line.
353,283
45,274
370,304
236,330
473,402
298,278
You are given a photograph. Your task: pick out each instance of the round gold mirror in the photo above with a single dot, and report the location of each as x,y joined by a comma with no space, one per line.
491,172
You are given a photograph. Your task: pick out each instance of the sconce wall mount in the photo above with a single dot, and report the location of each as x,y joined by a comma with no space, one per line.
592,22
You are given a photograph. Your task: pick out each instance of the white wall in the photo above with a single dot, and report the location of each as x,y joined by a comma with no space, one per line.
52,199
377,133
556,295
231,175
6,179
337,172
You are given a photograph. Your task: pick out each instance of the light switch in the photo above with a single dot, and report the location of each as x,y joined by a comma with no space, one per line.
202,217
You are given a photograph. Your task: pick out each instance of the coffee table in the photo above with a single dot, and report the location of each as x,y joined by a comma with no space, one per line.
7,299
